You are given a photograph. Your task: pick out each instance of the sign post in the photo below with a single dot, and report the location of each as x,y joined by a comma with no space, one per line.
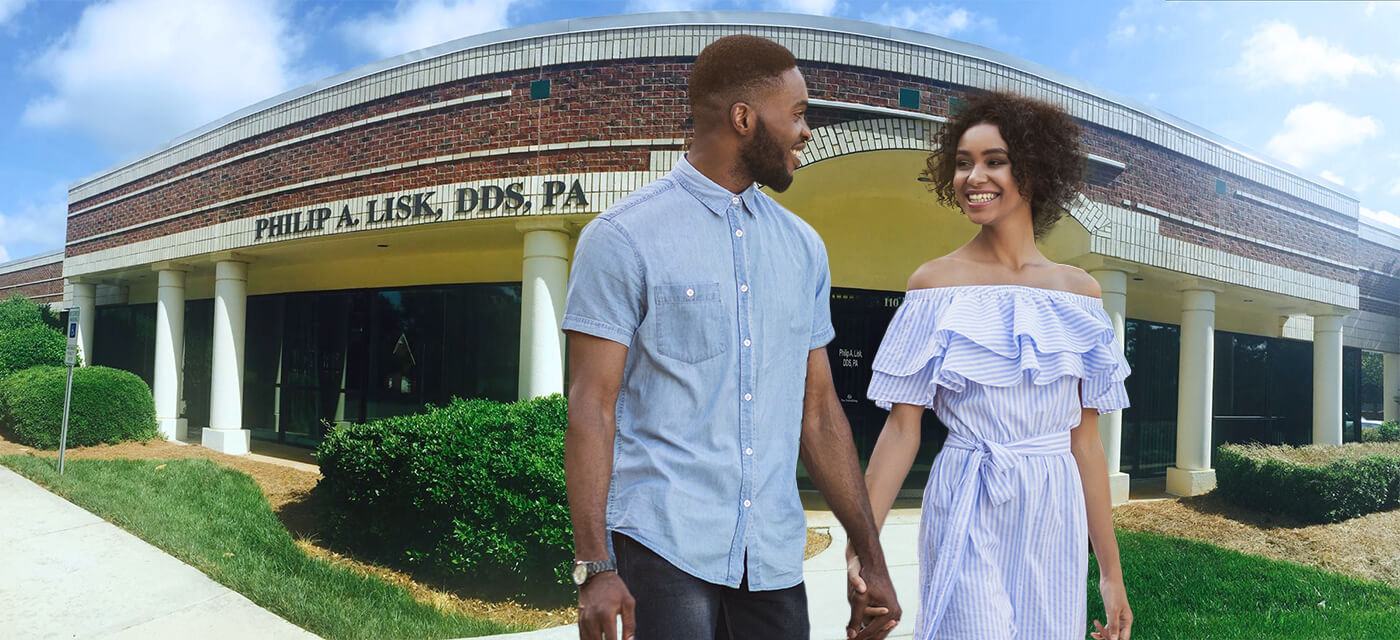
70,358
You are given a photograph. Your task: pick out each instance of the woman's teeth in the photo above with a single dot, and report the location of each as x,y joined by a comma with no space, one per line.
980,198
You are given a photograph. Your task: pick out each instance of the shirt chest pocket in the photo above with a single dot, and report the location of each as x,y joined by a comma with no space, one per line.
692,321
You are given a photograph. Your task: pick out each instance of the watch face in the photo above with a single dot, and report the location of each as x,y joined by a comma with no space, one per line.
580,574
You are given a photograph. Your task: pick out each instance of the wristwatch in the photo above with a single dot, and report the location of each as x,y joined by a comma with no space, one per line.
584,569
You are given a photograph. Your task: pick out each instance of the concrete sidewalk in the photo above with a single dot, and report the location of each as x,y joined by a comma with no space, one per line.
825,576
65,573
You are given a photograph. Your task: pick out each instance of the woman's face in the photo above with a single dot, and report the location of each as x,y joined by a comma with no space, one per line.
982,178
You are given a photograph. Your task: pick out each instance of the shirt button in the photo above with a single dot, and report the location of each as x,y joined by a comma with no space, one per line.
748,342
690,293
749,451
738,233
748,397
747,504
734,200
744,288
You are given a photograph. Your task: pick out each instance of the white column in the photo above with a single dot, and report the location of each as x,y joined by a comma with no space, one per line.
85,299
1192,474
1390,391
1327,379
1114,284
225,432
544,280
170,345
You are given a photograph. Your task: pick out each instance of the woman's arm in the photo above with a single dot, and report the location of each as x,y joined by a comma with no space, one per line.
1093,474
889,465
893,457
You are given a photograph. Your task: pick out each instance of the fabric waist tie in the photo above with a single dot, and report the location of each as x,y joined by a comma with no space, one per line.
985,470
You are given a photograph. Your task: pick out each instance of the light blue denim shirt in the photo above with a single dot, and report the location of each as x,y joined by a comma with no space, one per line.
719,298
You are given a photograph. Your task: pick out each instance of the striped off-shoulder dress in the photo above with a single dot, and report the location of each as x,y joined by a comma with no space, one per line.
1003,549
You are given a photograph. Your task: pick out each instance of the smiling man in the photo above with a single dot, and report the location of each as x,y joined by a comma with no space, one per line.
698,318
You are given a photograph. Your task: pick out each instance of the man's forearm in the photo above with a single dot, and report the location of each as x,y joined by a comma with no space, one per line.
830,458
588,453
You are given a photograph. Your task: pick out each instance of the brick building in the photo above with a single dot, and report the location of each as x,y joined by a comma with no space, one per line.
400,234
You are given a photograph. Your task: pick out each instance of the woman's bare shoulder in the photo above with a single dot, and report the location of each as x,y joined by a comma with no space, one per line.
945,271
1076,280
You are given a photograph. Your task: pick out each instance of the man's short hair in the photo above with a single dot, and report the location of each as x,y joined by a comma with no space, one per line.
731,68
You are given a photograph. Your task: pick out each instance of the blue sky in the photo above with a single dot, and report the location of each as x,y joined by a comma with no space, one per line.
89,85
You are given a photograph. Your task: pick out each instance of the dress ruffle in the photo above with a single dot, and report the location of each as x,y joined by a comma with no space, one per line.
998,336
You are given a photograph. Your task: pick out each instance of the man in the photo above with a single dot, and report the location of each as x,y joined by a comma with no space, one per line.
698,316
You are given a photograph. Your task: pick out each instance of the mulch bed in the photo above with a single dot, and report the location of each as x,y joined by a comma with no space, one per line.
1367,547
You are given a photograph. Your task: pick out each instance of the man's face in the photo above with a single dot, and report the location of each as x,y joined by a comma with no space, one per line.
770,153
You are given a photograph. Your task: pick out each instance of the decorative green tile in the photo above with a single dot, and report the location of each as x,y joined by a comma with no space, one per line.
909,98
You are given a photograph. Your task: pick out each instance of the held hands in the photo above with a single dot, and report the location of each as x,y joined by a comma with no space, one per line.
874,610
600,601
1116,611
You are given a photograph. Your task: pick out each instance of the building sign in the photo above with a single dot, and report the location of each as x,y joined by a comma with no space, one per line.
427,205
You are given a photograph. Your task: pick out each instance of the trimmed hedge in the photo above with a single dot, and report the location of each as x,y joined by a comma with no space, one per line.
1385,432
1357,479
31,346
109,406
475,488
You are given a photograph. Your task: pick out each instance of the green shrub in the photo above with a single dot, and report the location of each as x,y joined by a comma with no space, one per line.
475,488
1385,432
1312,484
19,312
109,406
31,346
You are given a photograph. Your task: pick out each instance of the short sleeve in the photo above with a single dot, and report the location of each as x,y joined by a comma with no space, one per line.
822,330
1102,388
606,285
1105,396
908,359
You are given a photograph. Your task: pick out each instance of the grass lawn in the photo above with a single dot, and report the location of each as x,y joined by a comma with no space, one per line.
219,522
1184,589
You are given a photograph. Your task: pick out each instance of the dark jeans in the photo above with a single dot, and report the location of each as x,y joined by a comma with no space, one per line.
674,605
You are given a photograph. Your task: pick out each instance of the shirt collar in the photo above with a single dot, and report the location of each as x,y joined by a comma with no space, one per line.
715,198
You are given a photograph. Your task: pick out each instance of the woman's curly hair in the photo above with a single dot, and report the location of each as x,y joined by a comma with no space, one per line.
1044,150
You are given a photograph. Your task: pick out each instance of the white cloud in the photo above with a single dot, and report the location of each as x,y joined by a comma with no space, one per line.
815,7
1383,217
416,24
35,227
939,19
1277,54
1144,20
1328,175
1319,128
135,73
10,9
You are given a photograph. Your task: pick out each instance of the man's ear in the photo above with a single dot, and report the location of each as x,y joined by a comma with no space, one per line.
742,118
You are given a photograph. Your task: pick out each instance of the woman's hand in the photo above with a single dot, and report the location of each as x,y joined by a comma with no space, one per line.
862,612
1116,611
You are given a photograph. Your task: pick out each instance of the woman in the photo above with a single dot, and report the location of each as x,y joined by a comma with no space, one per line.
1016,355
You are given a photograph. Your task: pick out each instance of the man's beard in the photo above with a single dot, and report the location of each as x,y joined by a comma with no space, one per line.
765,160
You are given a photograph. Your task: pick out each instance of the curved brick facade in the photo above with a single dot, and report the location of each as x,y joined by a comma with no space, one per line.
568,117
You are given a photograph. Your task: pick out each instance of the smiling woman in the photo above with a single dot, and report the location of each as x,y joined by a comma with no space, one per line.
402,233
1048,167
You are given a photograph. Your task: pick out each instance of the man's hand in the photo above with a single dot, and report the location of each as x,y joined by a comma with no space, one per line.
600,601
874,610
